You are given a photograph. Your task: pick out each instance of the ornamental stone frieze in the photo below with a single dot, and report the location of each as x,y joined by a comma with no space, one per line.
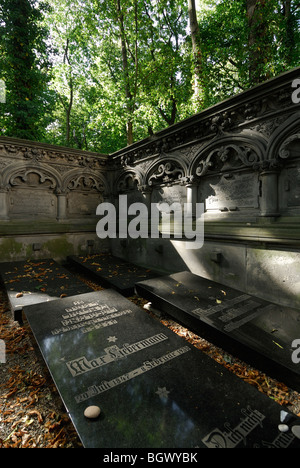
239,155
45,182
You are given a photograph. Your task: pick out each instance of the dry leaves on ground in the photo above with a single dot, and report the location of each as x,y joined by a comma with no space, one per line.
31,411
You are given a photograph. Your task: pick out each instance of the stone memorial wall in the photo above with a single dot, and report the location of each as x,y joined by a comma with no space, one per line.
241,159
48,200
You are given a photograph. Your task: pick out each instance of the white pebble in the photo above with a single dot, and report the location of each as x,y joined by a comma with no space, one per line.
92,412
283,427
296,431
283,415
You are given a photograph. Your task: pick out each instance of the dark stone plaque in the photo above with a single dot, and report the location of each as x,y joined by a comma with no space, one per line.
248,325
112,272
36,281
154,389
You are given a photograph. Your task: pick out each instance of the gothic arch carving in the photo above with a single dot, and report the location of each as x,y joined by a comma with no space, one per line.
280,145
84,180
229,152
166,171
129,179
18,175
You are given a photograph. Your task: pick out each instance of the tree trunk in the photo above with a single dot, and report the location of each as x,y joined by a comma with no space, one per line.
128,94
289,40
258,49
196,47
68,108
68,113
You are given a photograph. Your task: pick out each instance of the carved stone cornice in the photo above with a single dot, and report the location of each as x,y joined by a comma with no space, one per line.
262,108
35,153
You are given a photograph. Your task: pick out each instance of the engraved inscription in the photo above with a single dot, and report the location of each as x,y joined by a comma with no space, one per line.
169,195
88,316
207,312
234,312
81,365
32,204
232,193
147,366
233,325
83,203
233,437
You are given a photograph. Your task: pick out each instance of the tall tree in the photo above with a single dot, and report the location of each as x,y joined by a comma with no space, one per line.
196,47
259,40
124,68
24,69
291,33
72,61
167,73
130,88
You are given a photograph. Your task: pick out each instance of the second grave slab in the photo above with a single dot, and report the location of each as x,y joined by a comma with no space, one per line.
35,281
257,330
112,272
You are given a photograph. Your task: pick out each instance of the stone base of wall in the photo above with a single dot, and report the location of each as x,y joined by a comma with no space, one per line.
50,245
267,271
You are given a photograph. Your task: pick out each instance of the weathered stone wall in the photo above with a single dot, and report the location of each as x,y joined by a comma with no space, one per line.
48,200
241,158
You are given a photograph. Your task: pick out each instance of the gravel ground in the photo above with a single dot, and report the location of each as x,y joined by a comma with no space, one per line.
31,412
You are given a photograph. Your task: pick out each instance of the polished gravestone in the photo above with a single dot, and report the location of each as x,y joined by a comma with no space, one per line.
248,325
154,389
112,272
36,281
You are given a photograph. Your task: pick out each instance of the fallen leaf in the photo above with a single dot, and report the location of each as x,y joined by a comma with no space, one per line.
38,414
277,344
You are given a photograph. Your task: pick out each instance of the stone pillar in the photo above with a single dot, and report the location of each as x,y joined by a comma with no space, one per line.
61,206
191,196
3,204
146,191
269,193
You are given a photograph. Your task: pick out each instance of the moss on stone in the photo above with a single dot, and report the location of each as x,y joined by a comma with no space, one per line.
59,247
10,248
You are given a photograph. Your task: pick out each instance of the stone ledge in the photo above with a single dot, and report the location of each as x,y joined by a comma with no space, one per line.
46,227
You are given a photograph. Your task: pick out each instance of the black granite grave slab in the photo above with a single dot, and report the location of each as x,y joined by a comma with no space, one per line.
154,389
113,272
259,330
36,281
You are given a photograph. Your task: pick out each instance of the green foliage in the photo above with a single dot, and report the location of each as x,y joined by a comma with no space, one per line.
24,69
227,51
122,70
